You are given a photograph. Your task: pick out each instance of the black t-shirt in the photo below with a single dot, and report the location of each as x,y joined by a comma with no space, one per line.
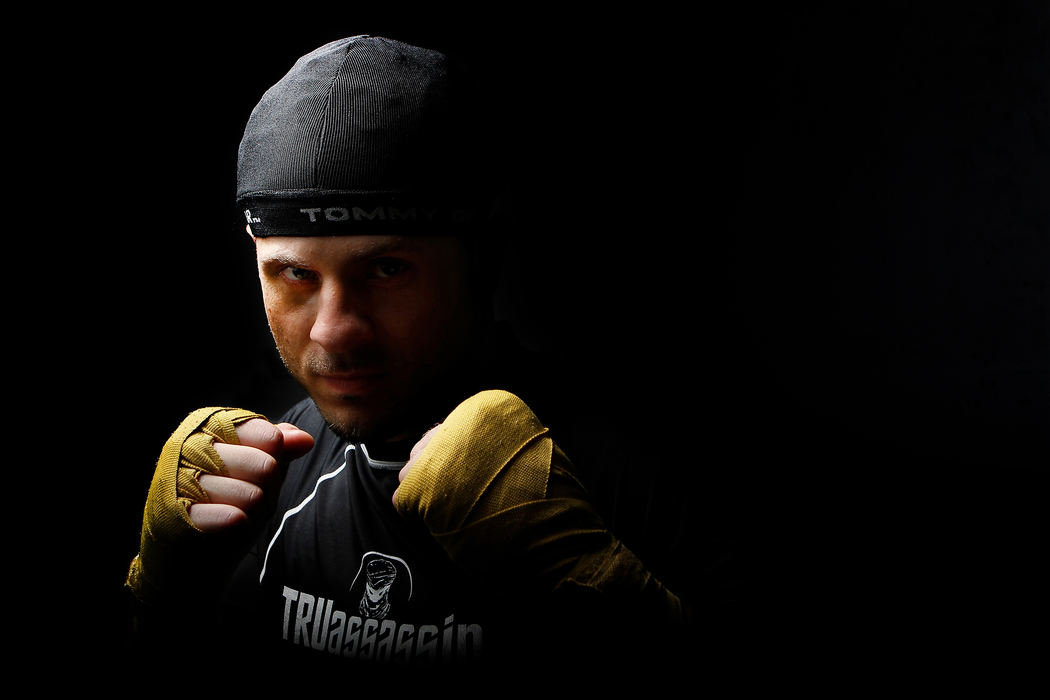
341,579
339,573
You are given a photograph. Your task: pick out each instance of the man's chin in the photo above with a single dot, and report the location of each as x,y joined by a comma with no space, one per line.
352,423
356,420
389,415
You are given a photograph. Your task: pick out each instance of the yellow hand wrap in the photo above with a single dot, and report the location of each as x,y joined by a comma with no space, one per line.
166,525
500,497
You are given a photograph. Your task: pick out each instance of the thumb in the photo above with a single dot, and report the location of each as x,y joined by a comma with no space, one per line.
297,442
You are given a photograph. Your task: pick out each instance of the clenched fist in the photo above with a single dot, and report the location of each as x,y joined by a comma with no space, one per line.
214,474
253,469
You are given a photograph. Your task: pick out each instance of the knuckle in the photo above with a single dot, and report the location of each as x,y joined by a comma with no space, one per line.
256,465
214,517
259,433
251,494
227,517
208,484
248,463
267,465
229,491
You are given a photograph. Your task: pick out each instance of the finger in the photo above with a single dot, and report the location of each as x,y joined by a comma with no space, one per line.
423,441
402,474
249,464
232,492
261,434
401,477
210,517
297,442
413,454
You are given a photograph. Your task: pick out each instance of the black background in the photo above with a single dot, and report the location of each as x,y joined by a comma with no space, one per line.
798,257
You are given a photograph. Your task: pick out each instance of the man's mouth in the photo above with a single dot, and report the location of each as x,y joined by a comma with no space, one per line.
355,383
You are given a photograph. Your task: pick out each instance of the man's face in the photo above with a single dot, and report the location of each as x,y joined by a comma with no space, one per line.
369,325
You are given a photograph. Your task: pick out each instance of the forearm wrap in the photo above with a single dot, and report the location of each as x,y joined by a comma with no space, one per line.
500,497
166,525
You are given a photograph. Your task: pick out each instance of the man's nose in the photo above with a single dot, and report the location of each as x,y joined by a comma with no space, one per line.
342,321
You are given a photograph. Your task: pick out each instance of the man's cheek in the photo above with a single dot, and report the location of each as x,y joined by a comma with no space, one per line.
290,341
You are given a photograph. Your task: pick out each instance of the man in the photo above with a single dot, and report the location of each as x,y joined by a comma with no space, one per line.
314,536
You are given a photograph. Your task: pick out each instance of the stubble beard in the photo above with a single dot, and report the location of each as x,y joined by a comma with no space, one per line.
401,411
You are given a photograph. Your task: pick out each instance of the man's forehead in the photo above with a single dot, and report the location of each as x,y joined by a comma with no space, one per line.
345,248
275,247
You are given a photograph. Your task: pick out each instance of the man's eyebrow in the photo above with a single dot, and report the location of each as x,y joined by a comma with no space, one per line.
384,246
283,258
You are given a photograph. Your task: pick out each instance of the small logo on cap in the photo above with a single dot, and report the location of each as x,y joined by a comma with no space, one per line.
250,218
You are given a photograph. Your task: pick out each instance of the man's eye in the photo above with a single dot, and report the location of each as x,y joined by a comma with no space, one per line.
298,274
389,267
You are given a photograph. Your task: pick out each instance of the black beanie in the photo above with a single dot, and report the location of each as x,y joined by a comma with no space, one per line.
362,135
